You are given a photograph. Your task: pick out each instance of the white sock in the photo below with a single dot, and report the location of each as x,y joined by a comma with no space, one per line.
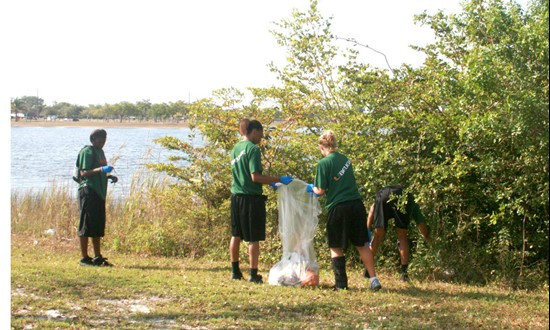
373,278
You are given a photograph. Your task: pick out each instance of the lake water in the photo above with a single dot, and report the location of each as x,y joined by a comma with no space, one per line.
41,156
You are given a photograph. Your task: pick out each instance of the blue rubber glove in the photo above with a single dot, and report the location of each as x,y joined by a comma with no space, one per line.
285,179
106,169
273,185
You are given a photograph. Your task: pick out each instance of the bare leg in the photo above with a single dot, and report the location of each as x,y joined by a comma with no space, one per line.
377,238
96,242
336,252
368,259
424,231
84,246
234,248
254,254
403,245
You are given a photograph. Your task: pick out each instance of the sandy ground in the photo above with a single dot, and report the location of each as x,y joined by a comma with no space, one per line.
96,123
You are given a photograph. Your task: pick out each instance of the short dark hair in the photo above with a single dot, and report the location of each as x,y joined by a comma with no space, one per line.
98,133
243,125
254,124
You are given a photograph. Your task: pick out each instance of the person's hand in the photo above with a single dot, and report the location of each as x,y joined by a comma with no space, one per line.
113,178
273,185
106,169
285,179
309,189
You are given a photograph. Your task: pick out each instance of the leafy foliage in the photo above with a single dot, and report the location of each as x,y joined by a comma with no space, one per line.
466,133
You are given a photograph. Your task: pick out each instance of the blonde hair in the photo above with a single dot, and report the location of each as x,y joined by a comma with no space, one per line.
328,140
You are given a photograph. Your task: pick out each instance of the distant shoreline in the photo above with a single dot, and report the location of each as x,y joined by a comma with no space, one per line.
97,123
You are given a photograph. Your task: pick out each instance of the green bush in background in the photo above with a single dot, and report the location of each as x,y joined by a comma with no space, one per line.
466,132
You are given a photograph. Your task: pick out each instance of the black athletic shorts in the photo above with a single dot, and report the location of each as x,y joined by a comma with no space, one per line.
347,221
248,217
385,210
92,213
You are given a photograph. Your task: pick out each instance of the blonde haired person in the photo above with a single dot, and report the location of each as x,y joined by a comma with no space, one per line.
346,212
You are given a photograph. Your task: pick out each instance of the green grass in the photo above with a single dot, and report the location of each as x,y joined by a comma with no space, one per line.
50,290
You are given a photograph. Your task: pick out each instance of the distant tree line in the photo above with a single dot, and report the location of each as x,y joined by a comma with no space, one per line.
33,107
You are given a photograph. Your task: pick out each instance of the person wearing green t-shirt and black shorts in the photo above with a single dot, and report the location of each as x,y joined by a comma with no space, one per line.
92,191
384,209
346,213
247,202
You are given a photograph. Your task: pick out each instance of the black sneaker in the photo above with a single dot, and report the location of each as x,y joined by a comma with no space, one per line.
404,277
339,288
236,276
87,261
256,279
100,261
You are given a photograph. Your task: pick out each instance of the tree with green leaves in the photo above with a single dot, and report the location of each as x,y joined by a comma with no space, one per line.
31,106
466,132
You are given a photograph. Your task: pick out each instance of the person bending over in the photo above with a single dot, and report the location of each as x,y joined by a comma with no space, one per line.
384,209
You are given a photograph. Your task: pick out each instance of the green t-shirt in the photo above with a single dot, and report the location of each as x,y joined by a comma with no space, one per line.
245,160
335,176
90,158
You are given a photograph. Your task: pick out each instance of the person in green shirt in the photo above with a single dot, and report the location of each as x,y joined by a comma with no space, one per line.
346,212
247,202
384,209
92,191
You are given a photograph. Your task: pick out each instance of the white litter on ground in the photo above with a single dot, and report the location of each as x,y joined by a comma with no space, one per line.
140,309
52,313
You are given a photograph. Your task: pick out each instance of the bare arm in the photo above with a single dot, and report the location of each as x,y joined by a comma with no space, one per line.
87,173
265,179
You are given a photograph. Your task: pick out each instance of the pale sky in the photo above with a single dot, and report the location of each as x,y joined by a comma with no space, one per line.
95,52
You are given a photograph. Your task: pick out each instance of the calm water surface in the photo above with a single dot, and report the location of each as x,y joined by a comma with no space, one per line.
41,156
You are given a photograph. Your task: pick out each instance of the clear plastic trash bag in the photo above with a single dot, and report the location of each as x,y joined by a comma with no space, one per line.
298,219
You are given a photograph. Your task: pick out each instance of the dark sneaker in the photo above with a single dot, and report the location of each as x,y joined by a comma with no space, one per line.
256,279
100,261
87,261
338,288
366,273
375,285
236,276
404,277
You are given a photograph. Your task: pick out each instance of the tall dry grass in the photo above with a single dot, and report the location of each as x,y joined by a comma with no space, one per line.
156,217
